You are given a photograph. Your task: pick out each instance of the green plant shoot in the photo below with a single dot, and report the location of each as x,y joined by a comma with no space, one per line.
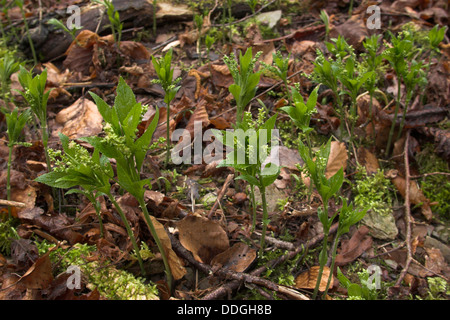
164,71
15,122
246,80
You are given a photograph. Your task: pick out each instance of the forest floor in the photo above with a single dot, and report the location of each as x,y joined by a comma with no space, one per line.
203,215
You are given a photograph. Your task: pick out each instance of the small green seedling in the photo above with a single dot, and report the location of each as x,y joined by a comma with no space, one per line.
352,82
348,216
374,60
122,144
8,66
326,21
62,26
246,80
250,144
114,19
15,122
327,188
198,21
36,97
209,41
357,291
280,67
398,55
164,71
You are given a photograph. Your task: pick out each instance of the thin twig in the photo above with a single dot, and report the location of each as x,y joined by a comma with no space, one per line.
223,290
408,218
221,194
429,174
229,274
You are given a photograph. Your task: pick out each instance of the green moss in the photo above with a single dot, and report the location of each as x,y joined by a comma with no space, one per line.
435,187
112,283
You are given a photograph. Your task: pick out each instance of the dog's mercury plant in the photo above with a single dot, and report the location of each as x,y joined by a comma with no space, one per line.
15,122
250,144
36,97
92,173
246,80
8,66
164,71
128,150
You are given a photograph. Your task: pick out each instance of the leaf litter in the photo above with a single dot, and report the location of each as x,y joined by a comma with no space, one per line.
225,241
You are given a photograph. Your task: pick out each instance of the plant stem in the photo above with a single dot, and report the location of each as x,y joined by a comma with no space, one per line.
158,242
168,144
323,253
333,259
129,231
394,120
8,180
252,195
265,217
322,264
402,123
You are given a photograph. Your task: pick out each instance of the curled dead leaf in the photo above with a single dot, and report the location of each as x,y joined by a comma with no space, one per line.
416,195
337,159
203,237
81,119
308,279
175,263
237,258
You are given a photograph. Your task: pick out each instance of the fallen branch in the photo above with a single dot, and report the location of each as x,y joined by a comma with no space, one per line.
239,277
233,285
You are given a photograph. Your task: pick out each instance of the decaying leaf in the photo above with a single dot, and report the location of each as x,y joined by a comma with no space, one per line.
416,195
368,160
203,237
81,119
40,274
337,159
237,258
175,264
353,248
308,279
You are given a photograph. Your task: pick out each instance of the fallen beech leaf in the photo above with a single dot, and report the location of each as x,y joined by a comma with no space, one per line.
415,195
40,274
175,264
368,160
203,237
81,119
337,159
353,248
434,262
237,258
135,50
308,279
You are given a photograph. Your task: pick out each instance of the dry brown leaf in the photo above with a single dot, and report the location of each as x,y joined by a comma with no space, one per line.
368,160
175,264
237,258
203,237
135,50
308,279
353,248
337,159
434,262
40,274
81,119
415,195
